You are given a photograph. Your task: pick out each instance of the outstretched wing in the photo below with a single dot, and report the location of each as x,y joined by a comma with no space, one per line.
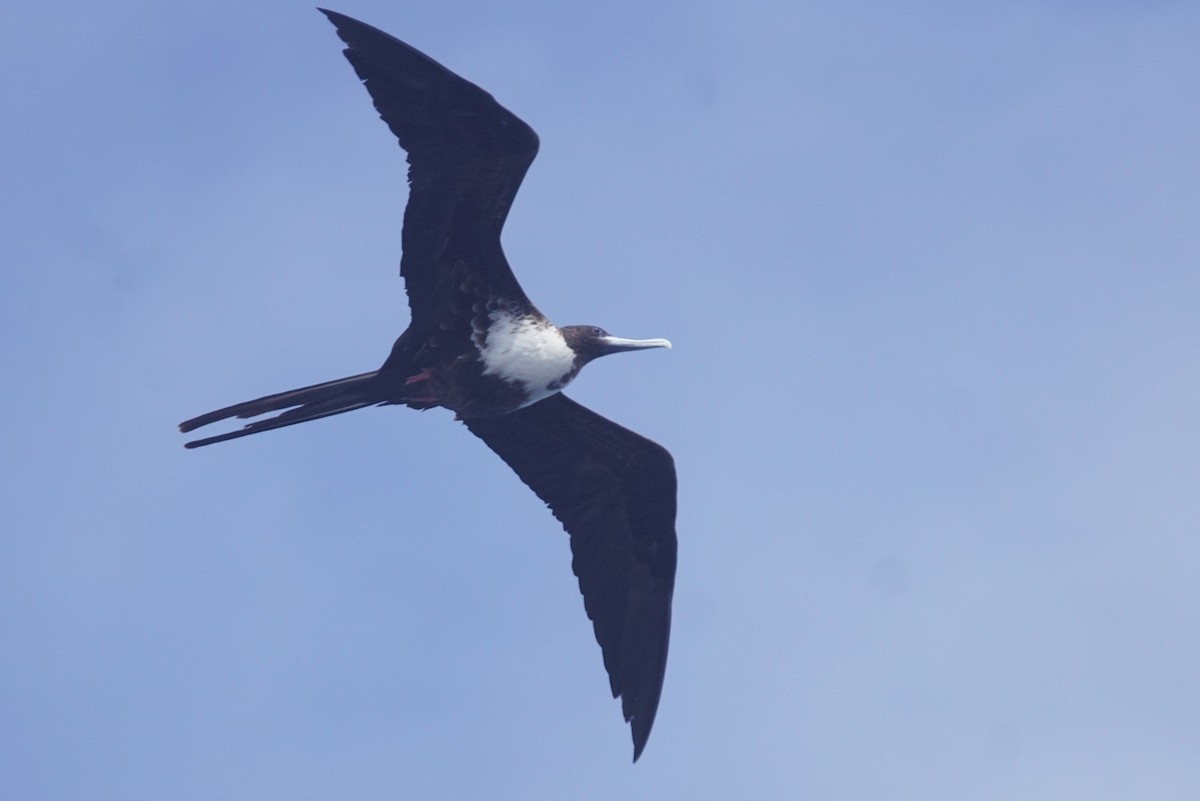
467,155
614,492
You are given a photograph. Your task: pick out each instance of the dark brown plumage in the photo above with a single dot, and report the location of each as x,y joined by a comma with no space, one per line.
478,346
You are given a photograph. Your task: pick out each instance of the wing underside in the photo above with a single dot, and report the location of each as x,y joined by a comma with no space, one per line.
467,156
614,492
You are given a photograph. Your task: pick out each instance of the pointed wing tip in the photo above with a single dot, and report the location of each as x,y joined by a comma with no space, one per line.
341,22
639,744
332,16
640,726
344,25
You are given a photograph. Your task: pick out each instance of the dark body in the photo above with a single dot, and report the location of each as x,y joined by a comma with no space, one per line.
478,346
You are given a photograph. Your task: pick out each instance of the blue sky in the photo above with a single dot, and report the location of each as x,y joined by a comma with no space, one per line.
931,274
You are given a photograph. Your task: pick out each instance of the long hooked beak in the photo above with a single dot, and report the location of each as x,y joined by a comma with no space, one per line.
617,344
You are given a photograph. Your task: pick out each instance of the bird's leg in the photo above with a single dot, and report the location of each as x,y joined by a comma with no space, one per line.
419,378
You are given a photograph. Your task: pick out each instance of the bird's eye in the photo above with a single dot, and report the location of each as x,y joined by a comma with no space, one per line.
599,332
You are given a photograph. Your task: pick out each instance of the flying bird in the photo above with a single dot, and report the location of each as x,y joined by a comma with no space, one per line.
478,346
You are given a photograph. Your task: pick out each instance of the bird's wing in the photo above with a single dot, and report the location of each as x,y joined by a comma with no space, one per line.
614,492
467,155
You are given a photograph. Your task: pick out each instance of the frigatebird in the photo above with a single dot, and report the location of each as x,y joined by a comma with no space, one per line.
476,345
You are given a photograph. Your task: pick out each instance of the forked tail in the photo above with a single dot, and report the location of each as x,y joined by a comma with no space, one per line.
301,405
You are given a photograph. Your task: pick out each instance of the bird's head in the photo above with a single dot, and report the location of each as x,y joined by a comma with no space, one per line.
591,342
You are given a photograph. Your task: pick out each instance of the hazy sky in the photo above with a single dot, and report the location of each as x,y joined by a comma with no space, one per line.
932,274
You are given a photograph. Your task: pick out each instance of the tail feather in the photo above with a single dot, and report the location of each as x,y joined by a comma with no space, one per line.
300,405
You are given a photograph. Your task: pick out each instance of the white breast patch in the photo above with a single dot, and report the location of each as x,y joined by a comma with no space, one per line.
529,351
